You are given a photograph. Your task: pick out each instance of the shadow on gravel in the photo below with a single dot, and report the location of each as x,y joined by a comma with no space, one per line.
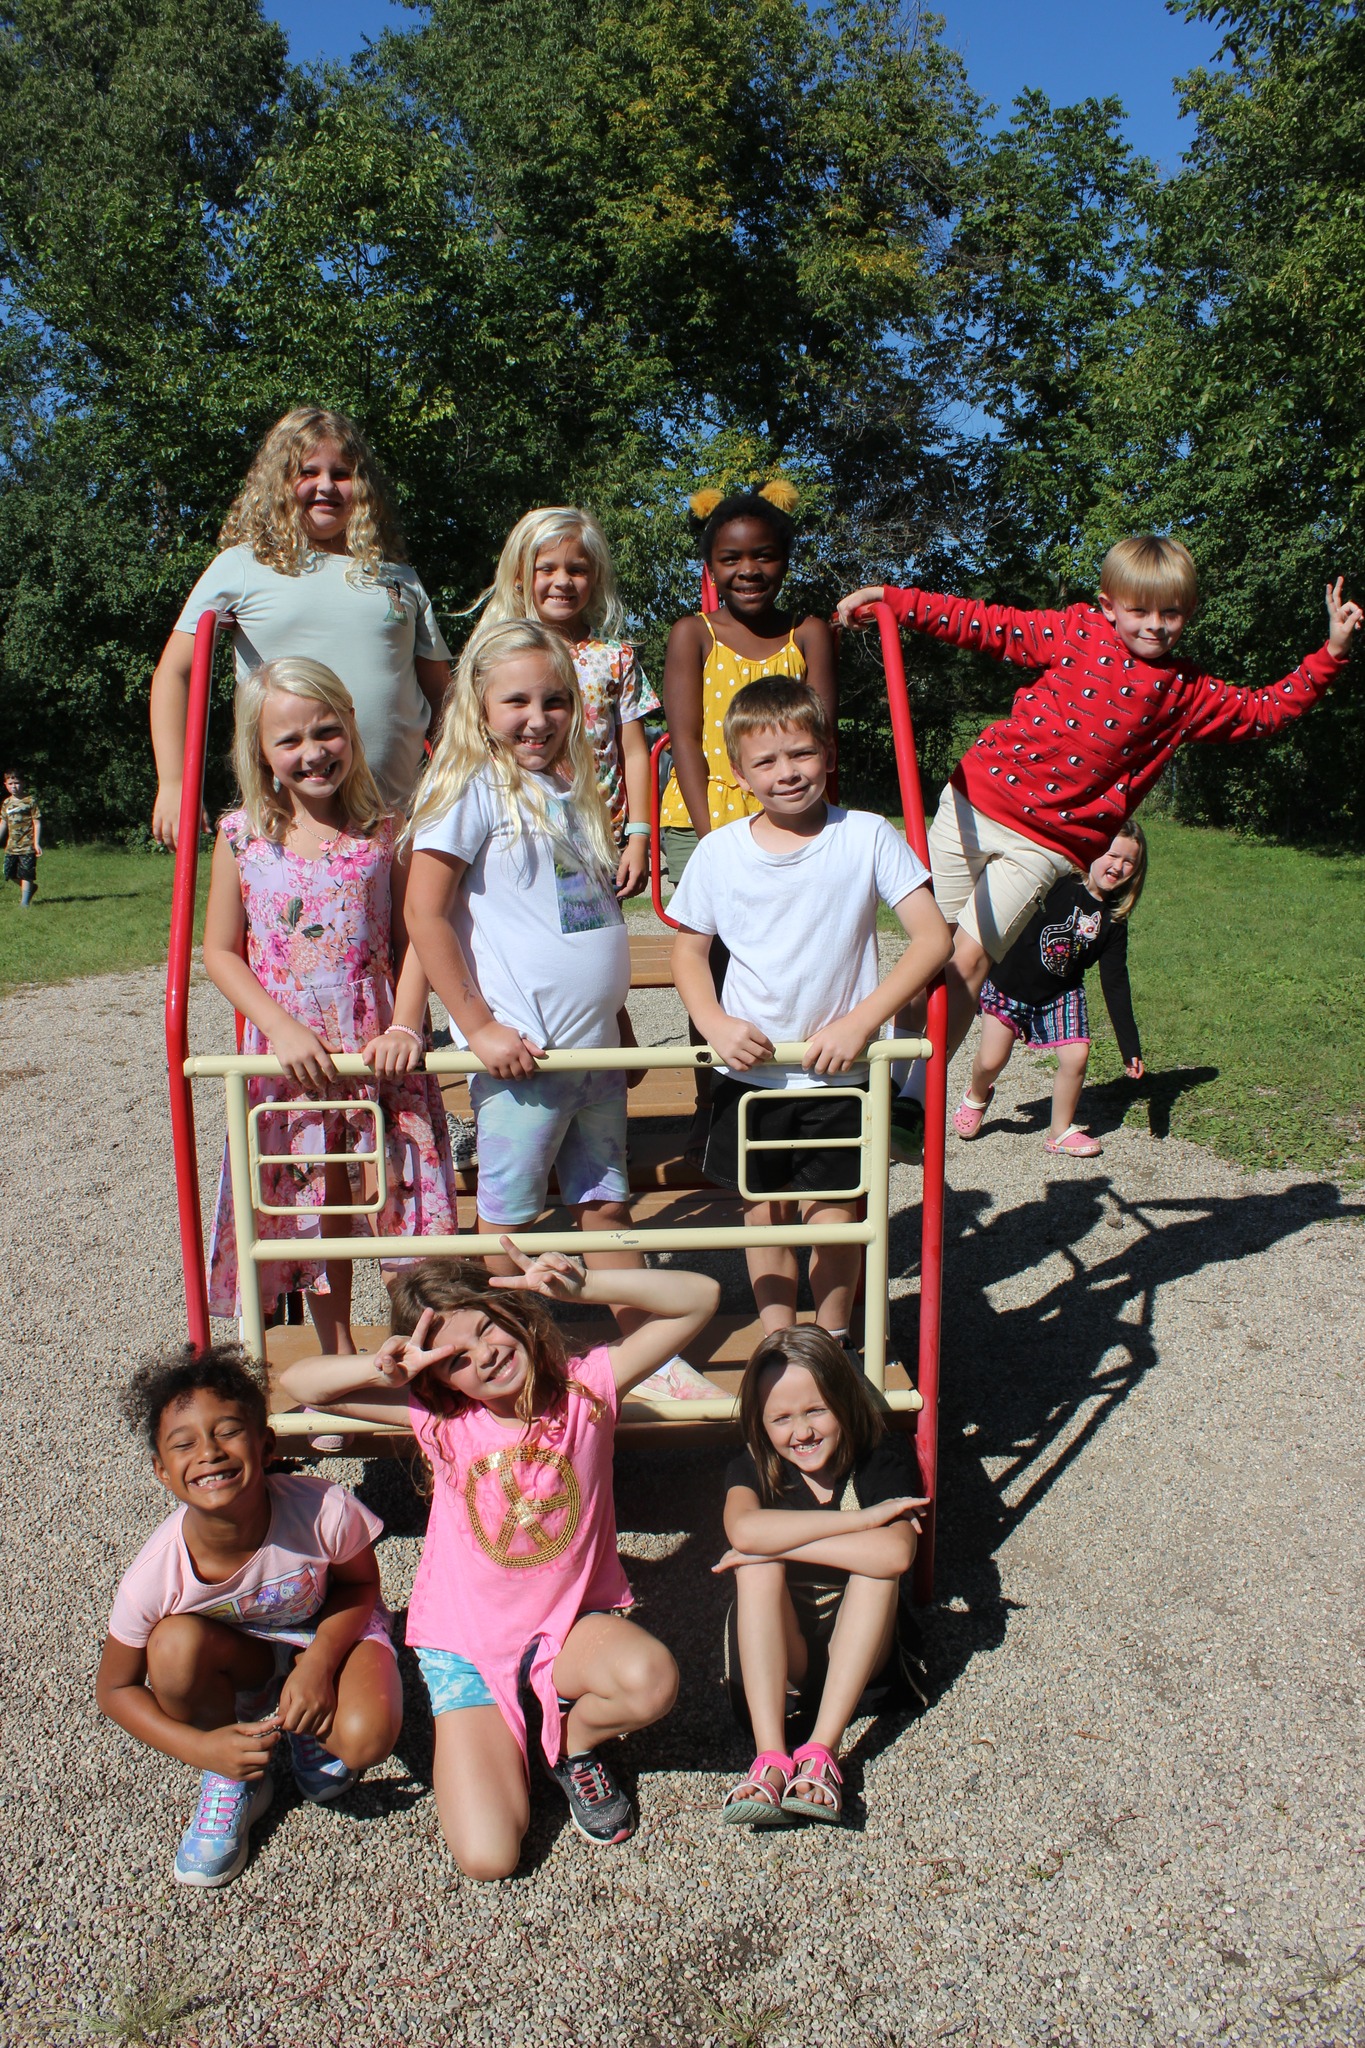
1107,1106
1027,1386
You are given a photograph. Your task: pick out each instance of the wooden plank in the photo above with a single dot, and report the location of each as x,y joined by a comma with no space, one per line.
651,961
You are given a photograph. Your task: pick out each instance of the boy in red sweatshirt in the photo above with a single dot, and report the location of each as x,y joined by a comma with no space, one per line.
1044,788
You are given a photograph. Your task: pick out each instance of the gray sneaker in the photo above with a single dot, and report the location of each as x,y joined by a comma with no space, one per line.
215,1845
598,1808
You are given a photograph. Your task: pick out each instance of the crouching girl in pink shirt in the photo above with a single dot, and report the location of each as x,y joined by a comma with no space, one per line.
520,1599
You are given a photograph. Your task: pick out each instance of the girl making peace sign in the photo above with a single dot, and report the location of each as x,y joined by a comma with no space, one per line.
520,1590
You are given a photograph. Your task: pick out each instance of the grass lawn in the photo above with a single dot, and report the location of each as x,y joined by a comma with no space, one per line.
1248,968
1248,972
98,910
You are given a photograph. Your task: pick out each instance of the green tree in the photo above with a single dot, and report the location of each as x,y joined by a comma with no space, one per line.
1240,422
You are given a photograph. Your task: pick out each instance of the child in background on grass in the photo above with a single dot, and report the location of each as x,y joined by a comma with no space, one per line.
746,541
1044,790
251,1614
820,1510
792,893
1037,992
304,872
555,566
21,835
520,1599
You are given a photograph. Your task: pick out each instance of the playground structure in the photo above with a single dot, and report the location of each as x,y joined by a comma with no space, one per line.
675,1210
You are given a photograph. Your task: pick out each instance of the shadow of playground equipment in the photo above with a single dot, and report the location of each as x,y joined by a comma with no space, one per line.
1105,1107
1027,1387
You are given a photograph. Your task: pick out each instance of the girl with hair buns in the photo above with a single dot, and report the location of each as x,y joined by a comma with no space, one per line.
305,881
555,566
313,564
746,541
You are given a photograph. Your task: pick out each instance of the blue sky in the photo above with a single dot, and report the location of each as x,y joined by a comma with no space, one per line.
1071,49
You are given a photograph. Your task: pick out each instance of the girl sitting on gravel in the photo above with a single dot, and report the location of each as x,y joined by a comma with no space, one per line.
1037,992
820,1510
305,880
254,1580
520,1600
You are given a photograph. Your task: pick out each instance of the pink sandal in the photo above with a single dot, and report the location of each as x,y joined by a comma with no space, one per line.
753,1799
818,1772
967,1116
1076,1143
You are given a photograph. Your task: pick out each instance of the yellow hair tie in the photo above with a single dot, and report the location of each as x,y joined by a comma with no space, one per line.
703,503
782,493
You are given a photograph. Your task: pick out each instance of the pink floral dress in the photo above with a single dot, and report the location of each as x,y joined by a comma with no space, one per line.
319,943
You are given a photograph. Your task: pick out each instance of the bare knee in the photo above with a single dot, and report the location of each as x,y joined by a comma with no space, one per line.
648,1678
760,1584
180,1656
484,1862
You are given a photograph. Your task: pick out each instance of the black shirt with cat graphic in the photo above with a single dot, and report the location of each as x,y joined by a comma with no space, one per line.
1072,931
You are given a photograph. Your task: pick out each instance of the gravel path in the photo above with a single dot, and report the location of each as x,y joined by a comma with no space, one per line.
1131,1815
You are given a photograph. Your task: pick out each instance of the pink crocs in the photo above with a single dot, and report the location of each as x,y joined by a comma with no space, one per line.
968,1114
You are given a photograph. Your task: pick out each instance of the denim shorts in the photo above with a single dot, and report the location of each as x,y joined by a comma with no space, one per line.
575,1123
452,1681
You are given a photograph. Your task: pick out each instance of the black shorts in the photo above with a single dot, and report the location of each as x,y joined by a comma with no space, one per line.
782,1118
901,1685
21,867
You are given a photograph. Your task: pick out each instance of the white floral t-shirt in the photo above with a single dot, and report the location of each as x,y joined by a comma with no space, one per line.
615,691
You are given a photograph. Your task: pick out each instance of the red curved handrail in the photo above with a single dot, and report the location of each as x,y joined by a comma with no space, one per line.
178,984
935,1116
656,863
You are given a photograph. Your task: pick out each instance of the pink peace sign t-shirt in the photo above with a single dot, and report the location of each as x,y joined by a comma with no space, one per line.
522,1537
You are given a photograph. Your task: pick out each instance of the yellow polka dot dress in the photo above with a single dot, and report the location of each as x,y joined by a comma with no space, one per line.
724,673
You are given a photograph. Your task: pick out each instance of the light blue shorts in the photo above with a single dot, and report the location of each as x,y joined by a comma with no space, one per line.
452,1681
573,1122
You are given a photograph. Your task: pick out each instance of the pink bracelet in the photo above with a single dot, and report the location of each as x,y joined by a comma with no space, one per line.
408,1032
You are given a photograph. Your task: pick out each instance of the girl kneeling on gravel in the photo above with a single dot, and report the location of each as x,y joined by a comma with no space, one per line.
820,1509
520,1600
252,1614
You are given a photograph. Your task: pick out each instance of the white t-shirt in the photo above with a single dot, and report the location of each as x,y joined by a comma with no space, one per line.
801,927
368,633
277,1592
547,942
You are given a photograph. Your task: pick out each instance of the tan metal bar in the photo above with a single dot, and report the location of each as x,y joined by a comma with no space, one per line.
602,1059
716,1239
725,1408
876,1269
377,1159
748,1145
244,1217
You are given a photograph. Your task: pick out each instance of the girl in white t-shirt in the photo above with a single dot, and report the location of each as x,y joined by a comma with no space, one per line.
556,566
512,910
313,564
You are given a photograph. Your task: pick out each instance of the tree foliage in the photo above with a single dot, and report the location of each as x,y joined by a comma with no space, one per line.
613,251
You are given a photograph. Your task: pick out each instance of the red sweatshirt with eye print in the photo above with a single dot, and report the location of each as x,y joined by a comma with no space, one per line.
1088,737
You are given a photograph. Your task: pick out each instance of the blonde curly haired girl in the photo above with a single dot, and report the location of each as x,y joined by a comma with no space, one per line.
312,564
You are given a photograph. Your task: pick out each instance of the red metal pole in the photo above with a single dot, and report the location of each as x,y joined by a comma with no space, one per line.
935,1117
178,986
656,838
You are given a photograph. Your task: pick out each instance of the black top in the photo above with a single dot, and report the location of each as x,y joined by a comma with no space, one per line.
890,1471
1072,931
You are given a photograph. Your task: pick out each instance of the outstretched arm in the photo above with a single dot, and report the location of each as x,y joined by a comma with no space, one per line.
169,710
677,1303
372,1384
1031,639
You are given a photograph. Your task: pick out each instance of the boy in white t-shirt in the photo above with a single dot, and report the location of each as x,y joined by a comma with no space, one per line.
249,1624
793,894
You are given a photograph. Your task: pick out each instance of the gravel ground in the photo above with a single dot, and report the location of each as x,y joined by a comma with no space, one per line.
1126,1817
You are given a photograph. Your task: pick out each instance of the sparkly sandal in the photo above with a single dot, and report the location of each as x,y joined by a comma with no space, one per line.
818,1772
753,1799
968,1114
1075,1143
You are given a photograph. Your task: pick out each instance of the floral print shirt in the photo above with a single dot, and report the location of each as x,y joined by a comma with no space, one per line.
615,691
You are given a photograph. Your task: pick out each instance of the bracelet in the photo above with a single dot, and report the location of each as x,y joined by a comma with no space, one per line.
637,831
408,1032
